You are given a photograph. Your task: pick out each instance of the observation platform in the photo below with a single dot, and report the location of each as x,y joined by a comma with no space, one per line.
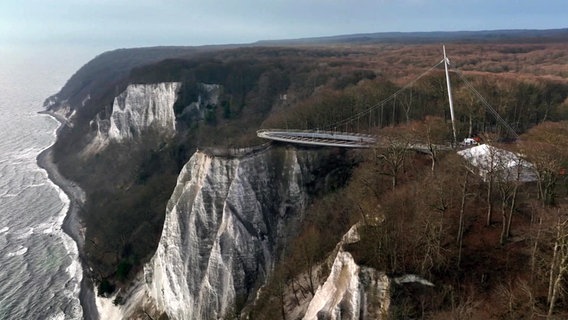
319,138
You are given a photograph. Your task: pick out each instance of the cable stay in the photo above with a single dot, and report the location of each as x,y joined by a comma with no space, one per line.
329,136
382,102
486,104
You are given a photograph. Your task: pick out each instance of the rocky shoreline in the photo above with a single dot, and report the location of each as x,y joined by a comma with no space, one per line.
72,223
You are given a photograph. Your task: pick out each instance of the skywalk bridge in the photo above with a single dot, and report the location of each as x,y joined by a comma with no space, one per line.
338,139
319,138
344,139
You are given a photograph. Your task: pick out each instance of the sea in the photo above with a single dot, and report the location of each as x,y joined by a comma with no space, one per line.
39,269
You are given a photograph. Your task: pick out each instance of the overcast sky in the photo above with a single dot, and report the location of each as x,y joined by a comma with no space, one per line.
131,23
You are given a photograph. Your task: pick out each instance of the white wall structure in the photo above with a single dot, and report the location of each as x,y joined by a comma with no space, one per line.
504,165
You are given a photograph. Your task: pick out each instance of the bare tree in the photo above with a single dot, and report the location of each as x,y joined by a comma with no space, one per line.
471,107
433,133
558,264
508,186
461,220
406,102
546,146
391,152
489,166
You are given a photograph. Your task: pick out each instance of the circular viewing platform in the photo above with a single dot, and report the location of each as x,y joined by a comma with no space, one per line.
319,138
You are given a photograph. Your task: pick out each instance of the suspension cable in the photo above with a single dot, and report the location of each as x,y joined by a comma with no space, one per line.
384,101
487,105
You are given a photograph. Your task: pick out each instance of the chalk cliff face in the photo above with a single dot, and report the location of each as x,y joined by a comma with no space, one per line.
63,110
226,221
137,109
224,224
141,106
350,292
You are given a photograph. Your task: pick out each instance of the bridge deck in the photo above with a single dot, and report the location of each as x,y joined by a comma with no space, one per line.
338,139
319,138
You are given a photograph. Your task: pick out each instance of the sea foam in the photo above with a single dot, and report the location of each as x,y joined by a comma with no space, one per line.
19,252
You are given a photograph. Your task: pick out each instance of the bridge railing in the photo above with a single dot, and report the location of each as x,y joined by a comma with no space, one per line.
315,132
321,131
317,137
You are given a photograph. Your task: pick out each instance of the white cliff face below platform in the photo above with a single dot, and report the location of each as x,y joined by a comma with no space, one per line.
350,291
142,106
221,230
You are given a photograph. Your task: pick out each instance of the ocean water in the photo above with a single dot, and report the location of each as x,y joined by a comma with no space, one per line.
39,269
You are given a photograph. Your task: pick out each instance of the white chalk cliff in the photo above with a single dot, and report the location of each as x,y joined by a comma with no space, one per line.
142,106
350,292
223,224
134,111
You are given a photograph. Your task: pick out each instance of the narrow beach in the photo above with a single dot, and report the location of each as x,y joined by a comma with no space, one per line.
72,223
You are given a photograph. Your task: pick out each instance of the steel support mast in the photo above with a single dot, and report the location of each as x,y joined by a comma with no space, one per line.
446,64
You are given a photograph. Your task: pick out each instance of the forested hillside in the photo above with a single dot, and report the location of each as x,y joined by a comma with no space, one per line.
494,247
